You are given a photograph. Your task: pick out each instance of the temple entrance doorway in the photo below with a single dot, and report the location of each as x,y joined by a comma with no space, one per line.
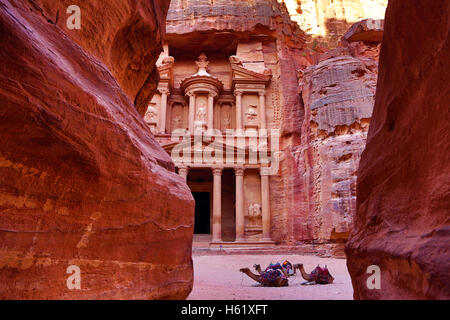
200,181
202,214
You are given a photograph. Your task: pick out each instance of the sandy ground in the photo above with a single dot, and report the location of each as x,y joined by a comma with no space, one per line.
218,278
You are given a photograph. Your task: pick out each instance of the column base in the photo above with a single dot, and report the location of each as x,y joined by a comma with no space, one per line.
242,243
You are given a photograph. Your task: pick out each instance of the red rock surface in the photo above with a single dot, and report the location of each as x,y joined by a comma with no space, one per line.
82,181
338,97
125,35
328,20
402,222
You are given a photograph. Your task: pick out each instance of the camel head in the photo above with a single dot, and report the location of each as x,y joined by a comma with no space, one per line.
244,270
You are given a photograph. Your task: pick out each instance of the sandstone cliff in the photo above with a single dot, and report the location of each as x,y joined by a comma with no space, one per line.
337,96
328,20
82,181
402,220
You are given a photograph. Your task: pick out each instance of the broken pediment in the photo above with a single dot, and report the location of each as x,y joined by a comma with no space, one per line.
240,74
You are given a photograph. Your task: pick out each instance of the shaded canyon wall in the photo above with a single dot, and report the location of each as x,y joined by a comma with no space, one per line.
402,222
82,181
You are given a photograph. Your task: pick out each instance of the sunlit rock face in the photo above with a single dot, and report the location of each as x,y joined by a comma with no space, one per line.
82,181
402,219
338,97
328,20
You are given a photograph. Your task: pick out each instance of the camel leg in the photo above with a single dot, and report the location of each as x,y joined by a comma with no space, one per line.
281,282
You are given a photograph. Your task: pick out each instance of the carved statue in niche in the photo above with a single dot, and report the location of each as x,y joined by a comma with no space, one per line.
151,115
253,213
200,122
227,121
201,113
251,112
177,122
254,210
202,64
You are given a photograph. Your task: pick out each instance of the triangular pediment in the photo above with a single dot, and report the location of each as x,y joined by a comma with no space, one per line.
194,147
240,73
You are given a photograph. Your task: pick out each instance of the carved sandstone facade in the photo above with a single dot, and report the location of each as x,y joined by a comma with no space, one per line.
261,74
219,97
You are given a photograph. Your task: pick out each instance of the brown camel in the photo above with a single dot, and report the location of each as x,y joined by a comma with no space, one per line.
317,276
284,270
267,280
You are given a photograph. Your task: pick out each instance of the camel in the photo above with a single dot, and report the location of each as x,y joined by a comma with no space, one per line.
271,278
284,270
278,276
317,276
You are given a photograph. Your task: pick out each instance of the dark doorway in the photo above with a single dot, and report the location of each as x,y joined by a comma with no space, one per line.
202,206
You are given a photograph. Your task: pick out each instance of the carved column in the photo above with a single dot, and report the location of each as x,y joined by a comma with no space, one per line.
183,172
163,112
265,203
191,111
238,95
240,215
262,109
217,205
210,111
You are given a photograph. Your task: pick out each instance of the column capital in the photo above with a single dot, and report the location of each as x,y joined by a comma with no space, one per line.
190,94
264,171
212,94
183,170
238,92
262,93
164,91
217,171
239,171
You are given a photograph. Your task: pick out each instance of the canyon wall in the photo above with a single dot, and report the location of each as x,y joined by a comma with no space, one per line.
337,96
82,181
327,20
402,220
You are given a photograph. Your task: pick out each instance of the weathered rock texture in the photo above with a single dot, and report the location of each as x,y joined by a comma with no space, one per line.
82,181
402,221
328,20
338,97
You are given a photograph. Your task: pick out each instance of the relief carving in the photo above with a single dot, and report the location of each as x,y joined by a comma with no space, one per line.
201,114
227,121
254,210
200,122
251,112
151,116
177,122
